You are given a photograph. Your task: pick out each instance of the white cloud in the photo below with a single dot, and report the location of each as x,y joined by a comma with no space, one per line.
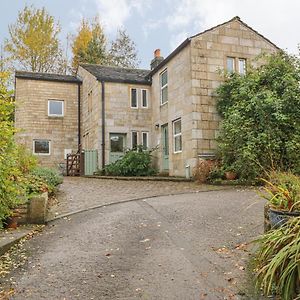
114,13
273,18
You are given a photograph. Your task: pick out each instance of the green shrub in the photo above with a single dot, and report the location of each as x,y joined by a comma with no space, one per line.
260,130
277,261
11,189
35,185
133,163
48,176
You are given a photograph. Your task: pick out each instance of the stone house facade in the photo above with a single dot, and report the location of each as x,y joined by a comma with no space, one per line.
170,107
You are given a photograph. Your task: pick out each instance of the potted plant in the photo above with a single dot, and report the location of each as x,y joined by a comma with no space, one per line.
230,173
282,190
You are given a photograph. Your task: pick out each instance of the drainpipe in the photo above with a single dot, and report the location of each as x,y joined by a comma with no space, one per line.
103,122
79,112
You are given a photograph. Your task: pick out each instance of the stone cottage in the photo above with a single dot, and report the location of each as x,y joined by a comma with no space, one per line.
171,106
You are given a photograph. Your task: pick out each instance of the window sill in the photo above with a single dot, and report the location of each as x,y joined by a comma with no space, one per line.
177,152
42,154
55,117
163,104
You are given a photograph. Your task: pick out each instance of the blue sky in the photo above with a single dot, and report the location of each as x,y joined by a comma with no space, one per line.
165,23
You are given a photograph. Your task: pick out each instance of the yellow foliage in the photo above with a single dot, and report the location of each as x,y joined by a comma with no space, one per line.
81,41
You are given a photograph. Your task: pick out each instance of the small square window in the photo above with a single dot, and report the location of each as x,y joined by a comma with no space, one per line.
134,103
41,147
144,98
55,108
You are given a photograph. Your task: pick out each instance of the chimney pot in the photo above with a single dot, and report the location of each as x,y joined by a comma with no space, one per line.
156,60
157,53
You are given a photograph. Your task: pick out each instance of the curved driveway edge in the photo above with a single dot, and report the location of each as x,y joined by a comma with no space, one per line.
78,194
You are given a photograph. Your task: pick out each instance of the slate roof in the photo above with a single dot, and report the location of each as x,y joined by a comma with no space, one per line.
116,74
47,77
188,40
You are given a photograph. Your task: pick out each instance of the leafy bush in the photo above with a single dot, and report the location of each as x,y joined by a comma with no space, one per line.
35,185
11,190
46,175
283,191
260,130
277,261
133,163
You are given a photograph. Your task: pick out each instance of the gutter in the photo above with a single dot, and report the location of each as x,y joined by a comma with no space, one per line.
103,123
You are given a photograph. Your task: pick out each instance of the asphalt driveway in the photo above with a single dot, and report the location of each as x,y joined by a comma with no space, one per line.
188,246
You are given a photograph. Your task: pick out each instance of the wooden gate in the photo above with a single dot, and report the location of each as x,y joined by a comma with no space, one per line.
75,164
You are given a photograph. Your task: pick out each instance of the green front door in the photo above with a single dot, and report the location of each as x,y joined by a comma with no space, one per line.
117,146
165,147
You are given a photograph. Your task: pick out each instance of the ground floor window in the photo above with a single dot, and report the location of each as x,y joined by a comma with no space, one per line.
134,139
145,140
177,136
41,147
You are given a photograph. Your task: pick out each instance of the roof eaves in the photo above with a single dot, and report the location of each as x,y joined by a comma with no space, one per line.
170,56
130,81
33,76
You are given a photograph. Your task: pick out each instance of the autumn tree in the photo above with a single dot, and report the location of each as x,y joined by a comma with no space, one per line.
89,46
33,44
123,51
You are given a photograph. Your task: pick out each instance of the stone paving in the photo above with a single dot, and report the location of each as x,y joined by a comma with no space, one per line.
79,193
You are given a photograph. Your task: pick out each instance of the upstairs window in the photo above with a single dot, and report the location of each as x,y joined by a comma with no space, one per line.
236,65
144,98
55,108
134,102
164,87
242,66
230,64
177,136
41,147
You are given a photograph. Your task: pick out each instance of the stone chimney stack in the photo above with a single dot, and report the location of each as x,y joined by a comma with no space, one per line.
156,60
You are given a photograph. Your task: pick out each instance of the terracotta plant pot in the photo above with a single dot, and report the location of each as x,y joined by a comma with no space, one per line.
230,175
11,222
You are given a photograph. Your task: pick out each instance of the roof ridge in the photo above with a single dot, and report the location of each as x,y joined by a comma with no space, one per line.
113,67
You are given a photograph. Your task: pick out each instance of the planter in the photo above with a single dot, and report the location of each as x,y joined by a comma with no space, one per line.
278,218
230,175
11,222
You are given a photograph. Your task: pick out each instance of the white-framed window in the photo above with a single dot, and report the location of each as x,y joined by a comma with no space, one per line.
177,137
134,139
163,78
144,96
242,66
41,147
145,140
55,108
230,64
236,65
133,98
